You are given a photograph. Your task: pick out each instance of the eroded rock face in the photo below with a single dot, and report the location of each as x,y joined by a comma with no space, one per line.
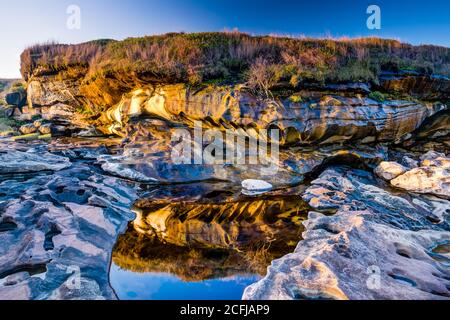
366,250
57,101
322,119
328,120
49,92
433,131
57,232
428,87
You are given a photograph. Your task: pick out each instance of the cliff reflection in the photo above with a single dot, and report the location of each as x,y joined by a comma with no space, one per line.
200,241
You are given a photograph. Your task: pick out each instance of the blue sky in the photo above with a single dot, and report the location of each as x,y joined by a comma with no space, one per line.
27,22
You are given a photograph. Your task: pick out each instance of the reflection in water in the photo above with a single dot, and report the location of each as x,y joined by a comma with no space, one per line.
186,250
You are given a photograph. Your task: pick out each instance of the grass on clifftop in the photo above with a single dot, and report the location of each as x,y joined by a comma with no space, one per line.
261,61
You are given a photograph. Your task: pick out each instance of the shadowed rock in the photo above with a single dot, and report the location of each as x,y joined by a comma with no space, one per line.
427,87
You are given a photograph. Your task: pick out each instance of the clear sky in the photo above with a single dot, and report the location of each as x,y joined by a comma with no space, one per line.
27,22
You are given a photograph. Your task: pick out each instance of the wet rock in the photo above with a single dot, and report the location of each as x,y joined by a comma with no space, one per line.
16,278
66,225
12,161
149,153
28,129
127,173
381,262
366,250
389,170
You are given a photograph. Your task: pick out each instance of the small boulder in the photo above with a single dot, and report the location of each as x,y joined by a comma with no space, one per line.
425,180
389,170
258,186
28,129
45,129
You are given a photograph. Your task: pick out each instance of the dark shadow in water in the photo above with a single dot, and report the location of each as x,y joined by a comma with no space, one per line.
195,250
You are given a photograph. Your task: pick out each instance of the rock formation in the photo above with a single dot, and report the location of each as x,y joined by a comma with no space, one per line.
57,229
89,149
378,245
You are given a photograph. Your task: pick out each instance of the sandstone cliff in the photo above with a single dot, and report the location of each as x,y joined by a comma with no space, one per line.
365,89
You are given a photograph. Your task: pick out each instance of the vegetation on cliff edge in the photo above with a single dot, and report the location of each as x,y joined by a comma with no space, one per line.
261,61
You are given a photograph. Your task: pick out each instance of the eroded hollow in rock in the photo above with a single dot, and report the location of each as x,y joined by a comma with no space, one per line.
7,225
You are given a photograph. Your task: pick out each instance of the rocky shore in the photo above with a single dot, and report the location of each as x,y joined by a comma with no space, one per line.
365,163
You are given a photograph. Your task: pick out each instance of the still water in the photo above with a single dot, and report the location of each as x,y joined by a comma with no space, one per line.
203,250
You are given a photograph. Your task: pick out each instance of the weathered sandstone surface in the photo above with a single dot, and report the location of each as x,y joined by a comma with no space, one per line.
432,177
322,118
378,198
378,245
57,229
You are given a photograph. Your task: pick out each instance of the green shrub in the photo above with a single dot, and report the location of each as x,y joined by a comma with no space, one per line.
377,96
